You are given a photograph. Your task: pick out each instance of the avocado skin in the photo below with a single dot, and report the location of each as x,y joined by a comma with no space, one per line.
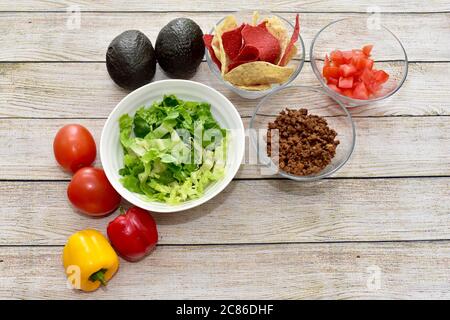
180,48
131,60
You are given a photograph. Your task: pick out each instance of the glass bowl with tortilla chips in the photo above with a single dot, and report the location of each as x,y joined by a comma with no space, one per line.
255,53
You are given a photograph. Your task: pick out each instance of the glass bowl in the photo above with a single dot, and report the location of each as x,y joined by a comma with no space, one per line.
296,62
388,53
317,102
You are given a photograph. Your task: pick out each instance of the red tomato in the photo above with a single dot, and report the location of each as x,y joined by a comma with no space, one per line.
347,70
367,49
362,63
331,80
347,55
360,91
334,87
331,71
91,193
336,57
347,92
74,147
345,83
381,76
326,63
351,73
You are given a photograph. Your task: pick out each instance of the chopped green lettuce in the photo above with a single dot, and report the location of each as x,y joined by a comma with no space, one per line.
173,150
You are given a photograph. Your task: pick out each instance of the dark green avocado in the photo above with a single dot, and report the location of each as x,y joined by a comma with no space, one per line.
131,60
179,48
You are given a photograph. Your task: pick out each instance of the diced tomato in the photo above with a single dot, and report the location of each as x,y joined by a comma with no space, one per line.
347,93
331,71
345,83
381,76
334,88
360,91
362,63
347,70
326,63
337,58
332,80
367,49
351,73
348,55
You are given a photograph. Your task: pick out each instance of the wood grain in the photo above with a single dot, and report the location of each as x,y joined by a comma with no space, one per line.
296,271
257,211
79,90
230,5
397,146
47,37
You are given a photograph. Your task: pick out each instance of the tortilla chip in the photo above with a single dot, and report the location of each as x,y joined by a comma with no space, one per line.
227,24
256,87
255,18
287,53
291,54
276,27
258,72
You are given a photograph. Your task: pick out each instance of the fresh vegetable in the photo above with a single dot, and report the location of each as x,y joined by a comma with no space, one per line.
91,193
131,60
74,147
351,73
89,260
261,47
179,48
173,150
133,234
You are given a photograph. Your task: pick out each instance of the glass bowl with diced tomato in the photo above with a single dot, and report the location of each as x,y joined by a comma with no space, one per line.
358,61
253,53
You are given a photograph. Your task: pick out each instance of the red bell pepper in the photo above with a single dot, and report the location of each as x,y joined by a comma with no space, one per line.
133,234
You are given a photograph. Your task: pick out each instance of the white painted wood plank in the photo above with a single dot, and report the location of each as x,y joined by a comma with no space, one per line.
47,37
230,5
319,271
397,146
256,211
75,90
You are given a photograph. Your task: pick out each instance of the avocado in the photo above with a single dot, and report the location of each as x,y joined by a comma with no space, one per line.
131,60
180,48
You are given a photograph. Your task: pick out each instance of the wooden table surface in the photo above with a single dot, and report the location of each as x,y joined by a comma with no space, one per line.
379,228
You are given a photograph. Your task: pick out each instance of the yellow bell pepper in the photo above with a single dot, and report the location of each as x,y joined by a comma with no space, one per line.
89,260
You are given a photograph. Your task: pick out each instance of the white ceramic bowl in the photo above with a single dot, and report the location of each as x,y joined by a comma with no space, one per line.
224,112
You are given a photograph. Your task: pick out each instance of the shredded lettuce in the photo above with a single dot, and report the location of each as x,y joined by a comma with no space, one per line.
173,150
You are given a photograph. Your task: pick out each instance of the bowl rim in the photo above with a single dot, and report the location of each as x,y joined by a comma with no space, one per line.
309,177
294,75
225,181
341,97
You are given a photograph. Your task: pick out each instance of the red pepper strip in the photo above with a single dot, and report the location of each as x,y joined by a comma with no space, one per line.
247,54
232,42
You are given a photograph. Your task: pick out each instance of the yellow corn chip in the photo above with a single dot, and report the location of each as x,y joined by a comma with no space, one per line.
227,24
255,18
257,73
256,87
276,27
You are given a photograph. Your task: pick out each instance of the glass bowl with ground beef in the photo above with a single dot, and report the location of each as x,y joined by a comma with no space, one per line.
301,133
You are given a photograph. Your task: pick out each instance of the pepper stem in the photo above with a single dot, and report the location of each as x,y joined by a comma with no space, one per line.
122,210
99,276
